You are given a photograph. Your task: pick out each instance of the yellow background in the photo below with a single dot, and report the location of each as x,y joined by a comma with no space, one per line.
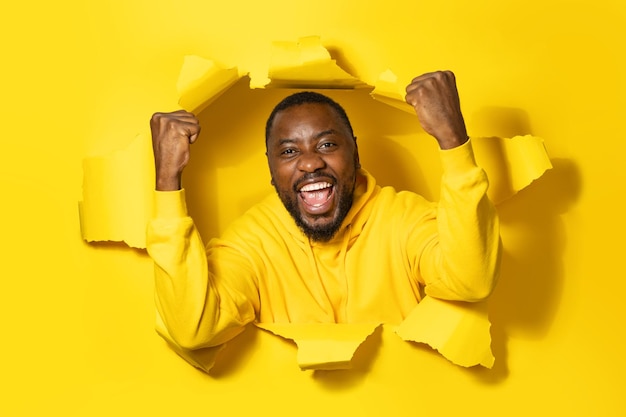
81,79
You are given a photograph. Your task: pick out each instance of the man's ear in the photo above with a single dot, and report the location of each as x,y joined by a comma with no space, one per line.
357,161
269,167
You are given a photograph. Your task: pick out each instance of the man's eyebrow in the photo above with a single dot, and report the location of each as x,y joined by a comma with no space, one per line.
317,136
325,133
285,141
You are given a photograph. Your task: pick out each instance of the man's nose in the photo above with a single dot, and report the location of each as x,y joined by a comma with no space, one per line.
310,162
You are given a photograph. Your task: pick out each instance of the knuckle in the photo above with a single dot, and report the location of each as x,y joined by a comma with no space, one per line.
439,75
156,117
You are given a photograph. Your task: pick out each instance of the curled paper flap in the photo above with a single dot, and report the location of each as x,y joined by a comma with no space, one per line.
387,90
458,330
306,64
511,164
117,194
201,81
324,345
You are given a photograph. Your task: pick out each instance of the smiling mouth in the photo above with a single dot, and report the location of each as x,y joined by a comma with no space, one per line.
316,195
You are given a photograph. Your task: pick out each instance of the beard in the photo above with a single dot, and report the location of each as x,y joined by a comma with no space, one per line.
318,232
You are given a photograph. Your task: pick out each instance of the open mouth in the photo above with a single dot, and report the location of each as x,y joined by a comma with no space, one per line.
317,196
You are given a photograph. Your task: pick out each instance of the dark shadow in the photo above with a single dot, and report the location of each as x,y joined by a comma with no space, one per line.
360,365
228,137
425,347
233,356
115,246
340,59
500,369
528,293
222,360
392,164
490,155
503,122
233,130
487,126
388,139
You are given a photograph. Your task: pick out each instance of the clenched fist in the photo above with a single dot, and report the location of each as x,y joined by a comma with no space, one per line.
435,98
172,134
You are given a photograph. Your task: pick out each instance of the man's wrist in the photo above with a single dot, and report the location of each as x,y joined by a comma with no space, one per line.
452,142
168,183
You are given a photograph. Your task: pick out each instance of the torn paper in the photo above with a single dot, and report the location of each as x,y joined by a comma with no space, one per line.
306,64
117,202
201,81
511,164
117,194
325,345
458,330
388,90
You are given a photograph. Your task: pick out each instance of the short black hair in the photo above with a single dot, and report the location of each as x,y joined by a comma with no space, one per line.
306,97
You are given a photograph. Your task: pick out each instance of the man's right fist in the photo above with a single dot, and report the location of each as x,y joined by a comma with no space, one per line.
172,133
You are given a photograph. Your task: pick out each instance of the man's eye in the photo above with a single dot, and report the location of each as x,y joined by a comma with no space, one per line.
288,152
327,145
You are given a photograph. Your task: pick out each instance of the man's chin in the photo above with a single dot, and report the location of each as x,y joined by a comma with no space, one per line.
318,227
320,234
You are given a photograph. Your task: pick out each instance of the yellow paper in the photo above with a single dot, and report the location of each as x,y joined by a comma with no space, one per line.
388,90
459,331
116,199
201,81
117,194
117,202
511,164
325,345
306,64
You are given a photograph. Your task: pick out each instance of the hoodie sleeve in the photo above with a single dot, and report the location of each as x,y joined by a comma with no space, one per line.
200,302
461,261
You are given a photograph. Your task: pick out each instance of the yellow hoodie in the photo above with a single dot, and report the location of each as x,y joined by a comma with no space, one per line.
392,247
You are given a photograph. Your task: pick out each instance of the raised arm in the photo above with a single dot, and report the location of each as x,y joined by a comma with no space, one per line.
201,302
462,260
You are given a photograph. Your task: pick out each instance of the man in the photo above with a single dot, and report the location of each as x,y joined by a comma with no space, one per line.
331,246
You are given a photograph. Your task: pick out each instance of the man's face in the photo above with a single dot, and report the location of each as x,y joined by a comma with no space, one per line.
313,161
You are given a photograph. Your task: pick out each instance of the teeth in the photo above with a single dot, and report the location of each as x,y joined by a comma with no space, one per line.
316,186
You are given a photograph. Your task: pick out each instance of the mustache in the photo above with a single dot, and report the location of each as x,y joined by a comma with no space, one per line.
312,176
